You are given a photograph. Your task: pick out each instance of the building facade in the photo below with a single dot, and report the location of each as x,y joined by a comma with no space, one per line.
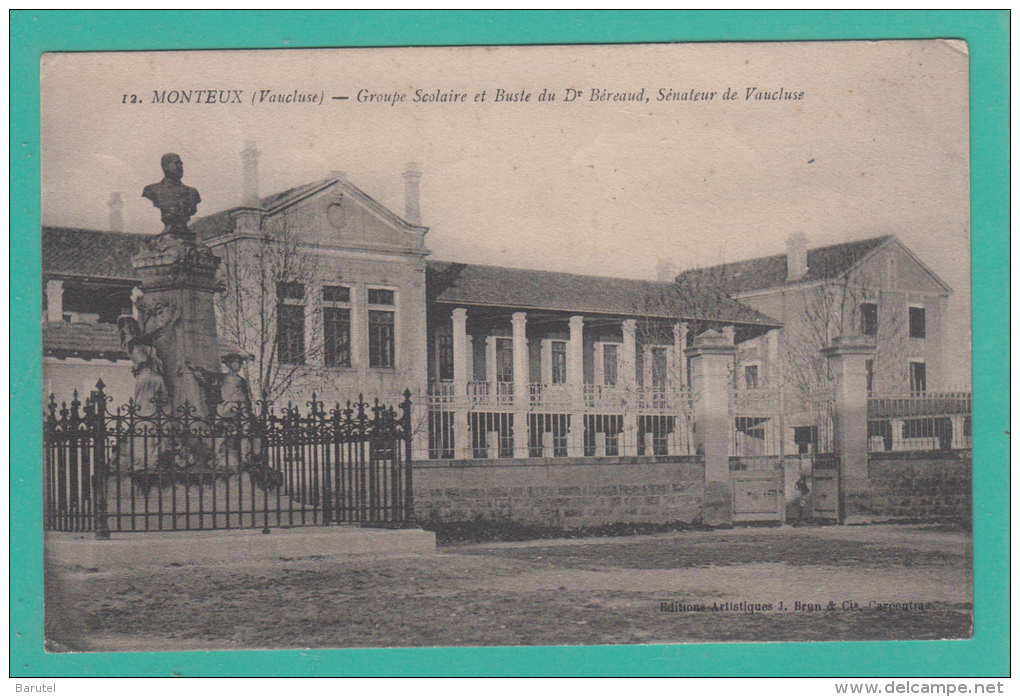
876,288
529,364
329,293
324,290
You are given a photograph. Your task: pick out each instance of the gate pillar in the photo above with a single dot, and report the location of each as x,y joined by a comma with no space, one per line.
847,358
711,365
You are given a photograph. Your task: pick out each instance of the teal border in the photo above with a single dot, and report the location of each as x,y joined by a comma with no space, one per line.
987,33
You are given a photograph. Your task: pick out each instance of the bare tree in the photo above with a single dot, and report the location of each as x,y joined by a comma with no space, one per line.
263,275
698,301
692,305
852,303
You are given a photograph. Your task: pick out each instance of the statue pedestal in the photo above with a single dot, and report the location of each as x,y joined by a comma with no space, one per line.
178,286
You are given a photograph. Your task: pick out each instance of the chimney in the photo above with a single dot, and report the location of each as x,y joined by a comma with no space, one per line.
412,204
665,270
250,163
116,212
796,257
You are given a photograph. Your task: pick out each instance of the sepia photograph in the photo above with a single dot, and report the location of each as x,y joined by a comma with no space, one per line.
506,346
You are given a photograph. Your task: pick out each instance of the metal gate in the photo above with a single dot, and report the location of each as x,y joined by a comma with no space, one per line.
757,485
142,468
825,489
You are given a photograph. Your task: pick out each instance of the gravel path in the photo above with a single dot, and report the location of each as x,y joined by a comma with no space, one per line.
598,591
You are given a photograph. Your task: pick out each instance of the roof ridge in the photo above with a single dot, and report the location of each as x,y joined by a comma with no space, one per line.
558,273
77,230
782,255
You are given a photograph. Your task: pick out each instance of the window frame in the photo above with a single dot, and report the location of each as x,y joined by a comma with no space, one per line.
341,305
914,382
656,359
917,331
286,353
376,310
558,362
389,301
755,367
613,350
444,347
502,347
865,324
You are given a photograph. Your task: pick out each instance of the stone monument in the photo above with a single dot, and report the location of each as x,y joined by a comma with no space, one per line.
179,285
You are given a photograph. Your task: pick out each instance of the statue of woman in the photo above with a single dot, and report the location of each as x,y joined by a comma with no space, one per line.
150,390
150,394
229,402
234,392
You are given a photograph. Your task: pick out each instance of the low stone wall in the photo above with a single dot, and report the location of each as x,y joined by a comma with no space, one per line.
921,485
571,493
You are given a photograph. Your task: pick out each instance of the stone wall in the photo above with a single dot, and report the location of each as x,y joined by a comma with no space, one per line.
925,485
562,493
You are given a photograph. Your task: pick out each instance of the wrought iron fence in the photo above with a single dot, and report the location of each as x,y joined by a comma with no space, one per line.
919,421
755,423
506,435
555,421
820,436
147,467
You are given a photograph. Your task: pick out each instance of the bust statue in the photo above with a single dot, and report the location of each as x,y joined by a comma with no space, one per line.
177,202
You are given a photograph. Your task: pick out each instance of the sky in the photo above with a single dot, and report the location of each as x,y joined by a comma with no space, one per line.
877,143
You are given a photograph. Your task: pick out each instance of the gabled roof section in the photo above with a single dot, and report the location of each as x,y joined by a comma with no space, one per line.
379,209
89,253
823,263
221,223
475,284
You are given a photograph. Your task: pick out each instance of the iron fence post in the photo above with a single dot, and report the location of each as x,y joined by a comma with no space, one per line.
405,408
98,428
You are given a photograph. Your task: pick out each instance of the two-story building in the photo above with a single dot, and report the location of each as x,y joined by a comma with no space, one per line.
539,364
328,291
874,287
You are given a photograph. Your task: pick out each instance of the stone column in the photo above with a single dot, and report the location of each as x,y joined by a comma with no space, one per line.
179,286
54,301
628,382
575,381
461,375
519,323
847,358
677,384
958,441
711,361
676,370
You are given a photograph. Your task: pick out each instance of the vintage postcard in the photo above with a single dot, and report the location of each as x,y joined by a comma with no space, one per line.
506,346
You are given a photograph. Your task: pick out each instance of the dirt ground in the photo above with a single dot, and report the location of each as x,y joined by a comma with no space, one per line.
744,585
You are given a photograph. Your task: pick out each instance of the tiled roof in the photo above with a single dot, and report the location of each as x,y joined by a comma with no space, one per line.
95,253
474,284
63,339
81,252
770,272
207,227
